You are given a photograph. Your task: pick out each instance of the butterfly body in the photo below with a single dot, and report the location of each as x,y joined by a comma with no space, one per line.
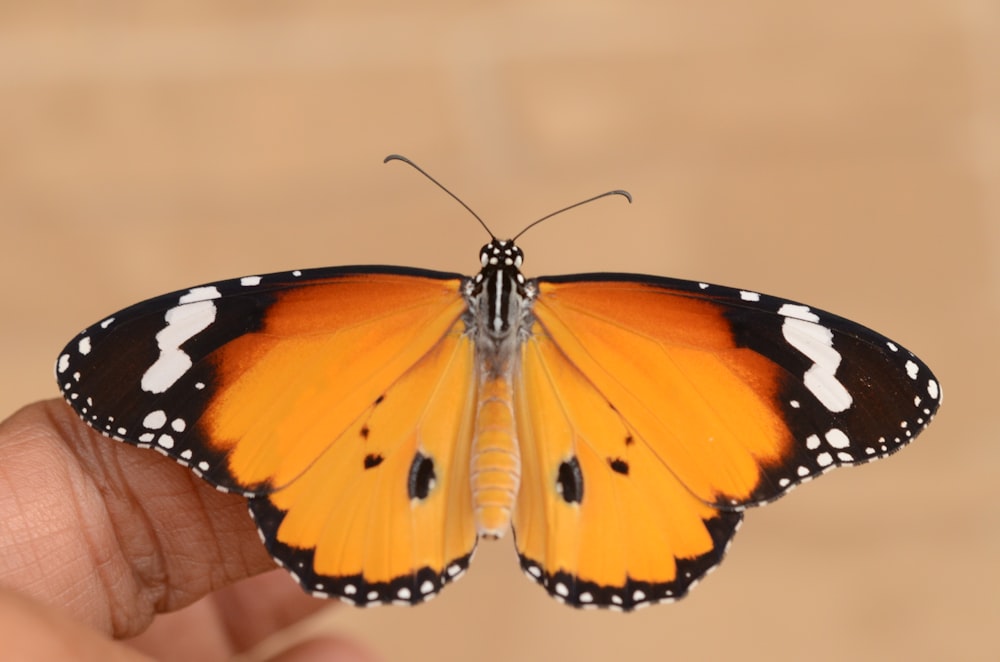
382,420
499,310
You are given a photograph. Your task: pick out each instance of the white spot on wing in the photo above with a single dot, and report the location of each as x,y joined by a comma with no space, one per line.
63,363
836,438
84,345
155,420
183,323
749,296
912,369
932,389
816,342
798,312
200,294
250,281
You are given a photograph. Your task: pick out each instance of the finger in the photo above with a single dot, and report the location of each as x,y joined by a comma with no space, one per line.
33,631
230,621
111,533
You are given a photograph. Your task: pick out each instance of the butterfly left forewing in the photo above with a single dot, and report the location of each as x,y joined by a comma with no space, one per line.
338,400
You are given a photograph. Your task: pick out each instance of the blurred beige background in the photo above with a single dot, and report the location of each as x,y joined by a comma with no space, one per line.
843,154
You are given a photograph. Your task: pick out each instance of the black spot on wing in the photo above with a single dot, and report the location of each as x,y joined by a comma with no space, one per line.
569,481
618,465
373,460
422,478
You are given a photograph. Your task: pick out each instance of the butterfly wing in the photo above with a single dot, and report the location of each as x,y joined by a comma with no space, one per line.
652,411
340,401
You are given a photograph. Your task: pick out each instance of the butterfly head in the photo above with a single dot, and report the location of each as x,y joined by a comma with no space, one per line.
501,253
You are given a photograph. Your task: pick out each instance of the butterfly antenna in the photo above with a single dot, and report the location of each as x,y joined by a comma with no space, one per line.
623,193
398,157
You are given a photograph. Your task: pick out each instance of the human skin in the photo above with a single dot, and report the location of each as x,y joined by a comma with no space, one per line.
108,552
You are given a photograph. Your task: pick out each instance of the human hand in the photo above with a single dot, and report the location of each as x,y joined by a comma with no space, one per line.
102,542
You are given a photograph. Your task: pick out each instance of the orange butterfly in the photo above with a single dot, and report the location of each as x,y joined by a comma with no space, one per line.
381,420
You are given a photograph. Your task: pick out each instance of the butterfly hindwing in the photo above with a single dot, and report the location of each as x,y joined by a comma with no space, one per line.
600,519
384,515
668,396
317,394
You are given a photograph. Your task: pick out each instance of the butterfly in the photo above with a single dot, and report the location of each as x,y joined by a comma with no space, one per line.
382,420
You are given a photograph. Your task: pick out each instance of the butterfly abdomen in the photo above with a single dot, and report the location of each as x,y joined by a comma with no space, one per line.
496,458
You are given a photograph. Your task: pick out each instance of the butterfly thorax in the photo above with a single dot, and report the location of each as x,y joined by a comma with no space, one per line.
498,317
499,300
